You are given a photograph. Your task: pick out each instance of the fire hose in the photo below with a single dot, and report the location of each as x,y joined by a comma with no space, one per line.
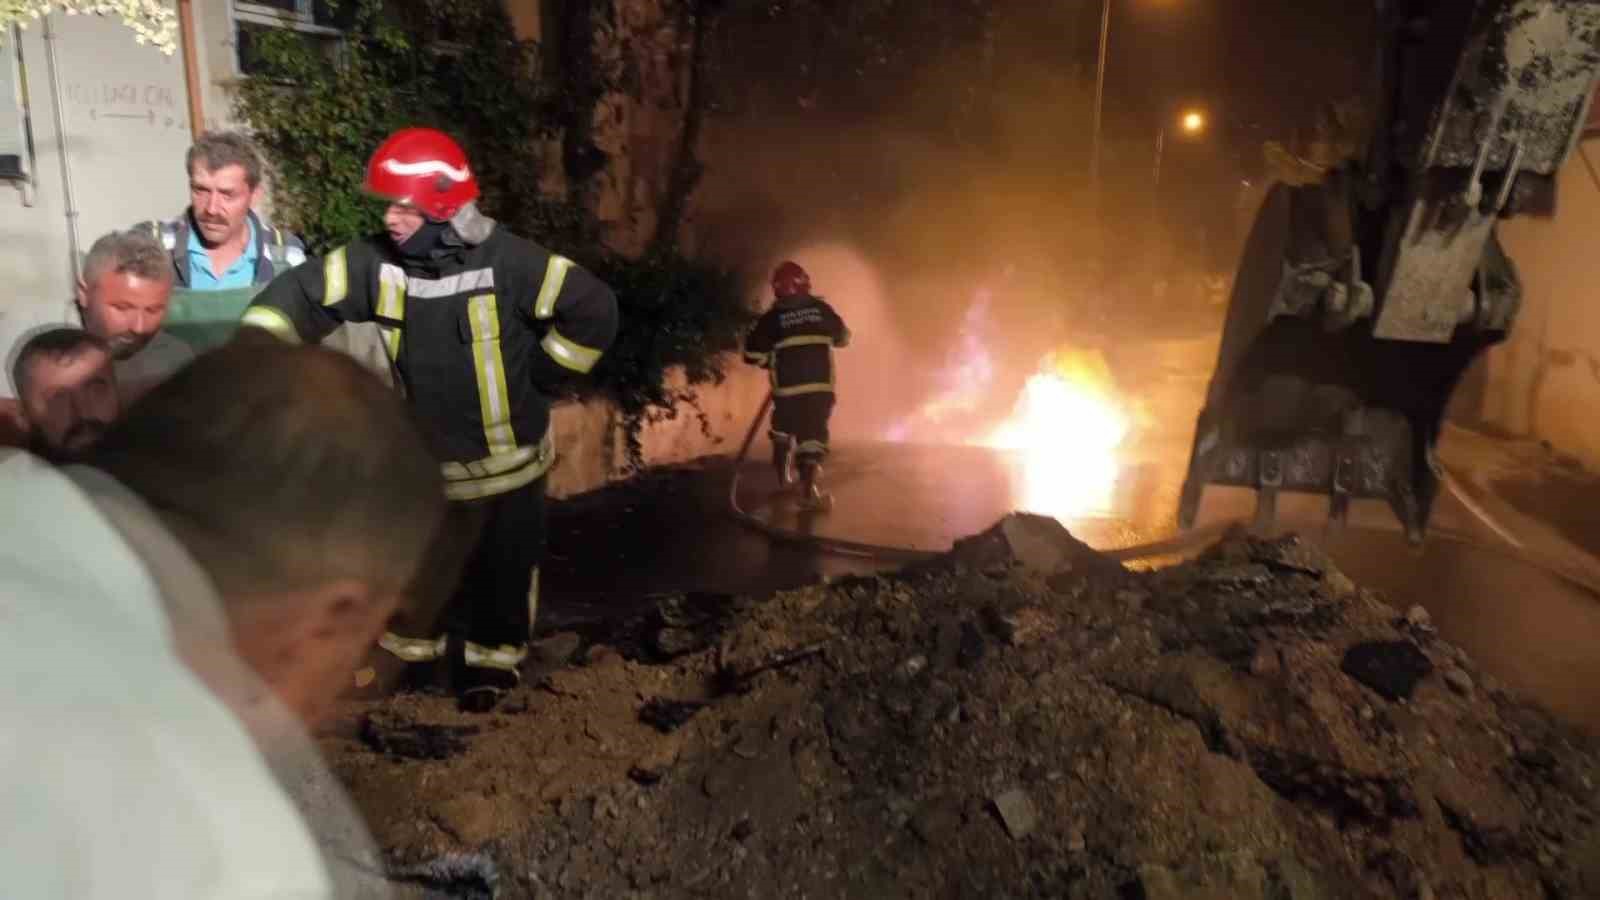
864,550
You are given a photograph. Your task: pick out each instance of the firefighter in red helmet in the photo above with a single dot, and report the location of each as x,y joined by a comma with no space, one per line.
483,327
795,341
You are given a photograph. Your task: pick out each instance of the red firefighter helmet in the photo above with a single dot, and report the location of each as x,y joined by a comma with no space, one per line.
423,168
789,280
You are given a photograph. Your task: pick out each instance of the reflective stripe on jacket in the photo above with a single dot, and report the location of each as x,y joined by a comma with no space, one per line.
795,340
480,337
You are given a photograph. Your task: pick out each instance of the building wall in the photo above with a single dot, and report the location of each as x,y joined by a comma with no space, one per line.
589,437
216,58
1544,381
637,123
126,127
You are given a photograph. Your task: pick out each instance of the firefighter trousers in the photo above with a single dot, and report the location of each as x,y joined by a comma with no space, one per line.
495,544
802,422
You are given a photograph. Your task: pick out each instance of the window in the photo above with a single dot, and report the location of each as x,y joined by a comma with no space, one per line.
319,22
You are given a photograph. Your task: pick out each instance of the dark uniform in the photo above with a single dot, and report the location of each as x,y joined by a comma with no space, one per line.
794,341
481,335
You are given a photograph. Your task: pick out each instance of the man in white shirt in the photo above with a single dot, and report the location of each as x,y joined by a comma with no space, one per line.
173,614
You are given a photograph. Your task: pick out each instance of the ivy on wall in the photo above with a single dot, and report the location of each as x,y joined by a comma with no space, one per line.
151,21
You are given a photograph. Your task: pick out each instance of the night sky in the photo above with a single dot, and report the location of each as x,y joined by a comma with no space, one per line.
1260,64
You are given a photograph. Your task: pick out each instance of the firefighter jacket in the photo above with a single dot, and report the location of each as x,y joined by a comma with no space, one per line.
277,251
481,335
794,340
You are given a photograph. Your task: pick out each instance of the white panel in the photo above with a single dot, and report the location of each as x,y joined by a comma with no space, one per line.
127,125
126,134
12,141
33,234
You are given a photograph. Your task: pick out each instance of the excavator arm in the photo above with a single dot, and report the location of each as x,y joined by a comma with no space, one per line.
1362,297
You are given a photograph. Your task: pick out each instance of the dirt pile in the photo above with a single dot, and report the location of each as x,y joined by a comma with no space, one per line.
1019,719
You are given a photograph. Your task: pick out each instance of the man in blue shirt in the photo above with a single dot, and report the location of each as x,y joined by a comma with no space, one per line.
241,273
219,243
223,254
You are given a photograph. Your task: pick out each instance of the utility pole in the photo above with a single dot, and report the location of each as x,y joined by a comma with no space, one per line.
1161,143
1099,101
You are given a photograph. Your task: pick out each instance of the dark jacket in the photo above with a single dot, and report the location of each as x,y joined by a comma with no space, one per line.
480,334
277,251
795,340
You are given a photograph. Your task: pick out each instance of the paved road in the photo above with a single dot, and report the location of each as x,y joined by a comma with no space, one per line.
1536,630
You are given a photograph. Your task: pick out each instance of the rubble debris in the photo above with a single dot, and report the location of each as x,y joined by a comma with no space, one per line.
667,716
971,648
1391,668
1348,796
1037,543
1017,812
937,824
401,738
471,876
1459,681
643,776
1022,626
1249,573
674,642
981,725
1266,662
557,649
1069,583
913,666
1487,846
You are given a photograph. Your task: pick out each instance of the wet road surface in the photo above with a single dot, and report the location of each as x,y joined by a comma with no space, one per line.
1536,630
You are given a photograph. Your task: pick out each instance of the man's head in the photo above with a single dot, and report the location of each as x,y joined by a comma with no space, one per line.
301,486
67,391
224,184
425,176
123,293
790,280
402,221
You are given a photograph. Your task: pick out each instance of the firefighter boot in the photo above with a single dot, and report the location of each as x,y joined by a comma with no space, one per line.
483,676
812,498
783,461
400,665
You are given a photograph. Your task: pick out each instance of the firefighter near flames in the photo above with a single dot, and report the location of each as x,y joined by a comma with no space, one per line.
794,341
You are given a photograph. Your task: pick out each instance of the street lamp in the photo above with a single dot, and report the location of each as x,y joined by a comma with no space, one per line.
1100,98
1191,123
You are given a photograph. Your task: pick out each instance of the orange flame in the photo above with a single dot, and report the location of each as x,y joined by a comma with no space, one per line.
1066,432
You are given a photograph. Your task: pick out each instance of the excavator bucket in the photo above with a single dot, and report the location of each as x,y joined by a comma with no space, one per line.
1363,296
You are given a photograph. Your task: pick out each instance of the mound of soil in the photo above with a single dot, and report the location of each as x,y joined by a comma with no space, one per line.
1021,718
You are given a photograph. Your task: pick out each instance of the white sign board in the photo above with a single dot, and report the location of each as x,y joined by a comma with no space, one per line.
126,123
125,131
